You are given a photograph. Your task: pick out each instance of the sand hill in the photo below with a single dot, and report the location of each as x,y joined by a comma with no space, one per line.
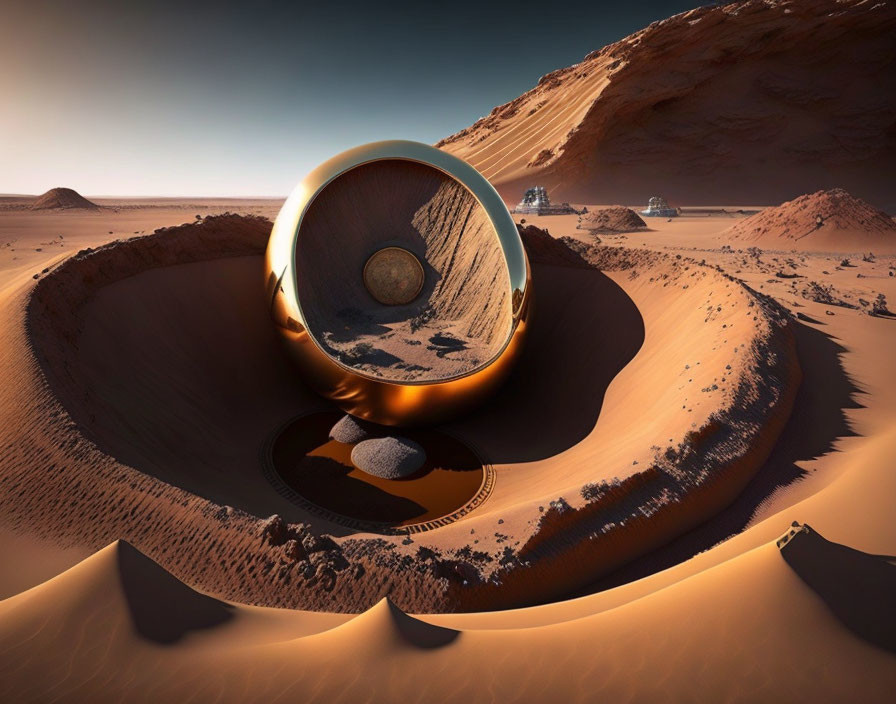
825,220
615,218
63,199
121,583
753,102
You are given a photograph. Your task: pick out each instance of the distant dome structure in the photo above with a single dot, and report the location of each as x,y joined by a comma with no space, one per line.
536,202
657,207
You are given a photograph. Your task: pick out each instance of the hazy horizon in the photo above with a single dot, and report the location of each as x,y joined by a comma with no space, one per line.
158,100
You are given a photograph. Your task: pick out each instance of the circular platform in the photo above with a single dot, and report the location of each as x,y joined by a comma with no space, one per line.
309,468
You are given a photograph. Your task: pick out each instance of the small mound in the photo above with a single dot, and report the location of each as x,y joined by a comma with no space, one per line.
63,199
615,218
385,627
350,430
121,584
388,458
831,219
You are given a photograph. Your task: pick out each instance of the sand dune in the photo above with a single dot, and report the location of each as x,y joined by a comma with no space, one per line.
746,103
677,644
692,398
832,221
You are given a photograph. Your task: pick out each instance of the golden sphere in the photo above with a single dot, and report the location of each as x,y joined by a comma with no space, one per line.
399,283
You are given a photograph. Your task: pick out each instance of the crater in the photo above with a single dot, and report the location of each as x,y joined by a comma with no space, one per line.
650,392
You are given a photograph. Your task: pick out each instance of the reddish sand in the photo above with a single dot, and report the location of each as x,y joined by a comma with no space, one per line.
827,220
197,425
750,102
687,393
119,332
611,220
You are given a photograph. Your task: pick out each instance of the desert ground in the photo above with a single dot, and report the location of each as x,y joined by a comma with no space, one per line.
117,509
683,492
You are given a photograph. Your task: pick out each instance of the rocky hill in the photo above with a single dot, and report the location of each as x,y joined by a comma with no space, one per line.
832,219
750,103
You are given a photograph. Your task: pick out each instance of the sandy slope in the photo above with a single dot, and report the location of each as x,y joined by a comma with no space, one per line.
733,623
825,220
748,630
748,102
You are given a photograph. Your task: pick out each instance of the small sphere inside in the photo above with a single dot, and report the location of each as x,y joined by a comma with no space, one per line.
393,276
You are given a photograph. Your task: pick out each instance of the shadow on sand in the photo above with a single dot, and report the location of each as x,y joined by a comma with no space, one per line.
860,589
584,330
164,609
419,633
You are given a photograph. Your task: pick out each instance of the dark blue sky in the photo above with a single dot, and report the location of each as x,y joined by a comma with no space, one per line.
164,98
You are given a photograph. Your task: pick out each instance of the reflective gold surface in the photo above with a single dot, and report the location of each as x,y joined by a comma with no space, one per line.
359,393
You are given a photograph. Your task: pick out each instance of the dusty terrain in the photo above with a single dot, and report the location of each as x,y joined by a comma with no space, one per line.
757,101
613,219
123,419
691,470
823,220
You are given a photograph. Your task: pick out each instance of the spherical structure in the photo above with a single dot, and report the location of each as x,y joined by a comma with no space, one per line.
399,282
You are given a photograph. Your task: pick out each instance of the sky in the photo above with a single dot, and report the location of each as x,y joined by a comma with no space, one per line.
243,99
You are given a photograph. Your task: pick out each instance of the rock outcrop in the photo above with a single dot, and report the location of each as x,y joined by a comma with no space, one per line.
750,103
389,457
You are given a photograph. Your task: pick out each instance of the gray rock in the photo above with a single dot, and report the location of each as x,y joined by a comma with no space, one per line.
389,457
350,430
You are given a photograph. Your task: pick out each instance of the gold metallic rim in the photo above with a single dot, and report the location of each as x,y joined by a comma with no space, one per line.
362,394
